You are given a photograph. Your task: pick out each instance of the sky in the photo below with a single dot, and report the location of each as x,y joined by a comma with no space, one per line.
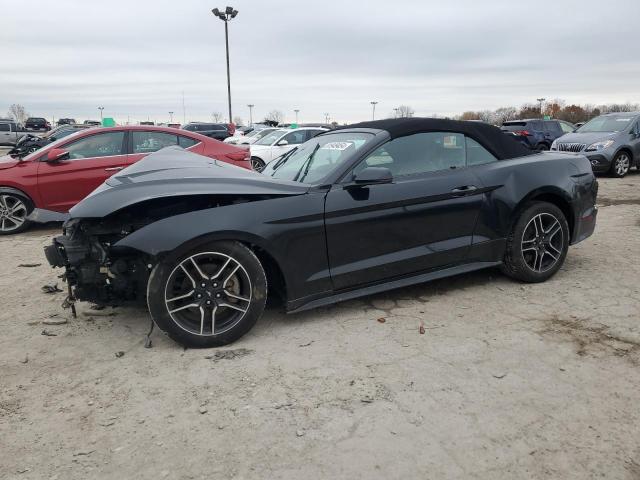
136,58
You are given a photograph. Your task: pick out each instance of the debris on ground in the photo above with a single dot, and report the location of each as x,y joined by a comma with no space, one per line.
83,453
51,288
499,375
119,354
203,409
25,359
421,329
55,319
306,344
300,433
229,354
47,333
29,265
100,313
382,320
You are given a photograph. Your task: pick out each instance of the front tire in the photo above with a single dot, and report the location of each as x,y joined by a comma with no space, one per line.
620,165
14,209
208,297
538,243
257,164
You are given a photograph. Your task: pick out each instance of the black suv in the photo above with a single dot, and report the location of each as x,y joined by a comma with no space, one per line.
219,131
66,121
37,123
537,134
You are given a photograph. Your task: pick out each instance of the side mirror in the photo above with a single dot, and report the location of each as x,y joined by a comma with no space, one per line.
282,143
373,176
56,154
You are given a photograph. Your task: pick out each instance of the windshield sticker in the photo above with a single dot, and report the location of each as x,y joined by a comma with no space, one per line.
622,119
449,141
337,146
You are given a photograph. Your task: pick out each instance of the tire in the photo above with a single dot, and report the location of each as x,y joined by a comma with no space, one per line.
620,165
257,164
208,297
14,209
542,147
532,256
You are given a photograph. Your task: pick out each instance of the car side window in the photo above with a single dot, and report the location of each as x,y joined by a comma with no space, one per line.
296,137
186,142
97,145
4,127
419,153
147,142
566,127
477,154
312,133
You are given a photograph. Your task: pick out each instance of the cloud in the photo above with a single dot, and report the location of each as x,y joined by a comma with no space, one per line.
136,58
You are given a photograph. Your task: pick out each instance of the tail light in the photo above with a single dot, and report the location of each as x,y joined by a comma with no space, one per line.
240,155
522,133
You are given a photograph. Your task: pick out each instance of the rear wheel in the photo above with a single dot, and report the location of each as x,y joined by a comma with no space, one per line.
620,165
538,243
257,164
542,147
208,297
14,209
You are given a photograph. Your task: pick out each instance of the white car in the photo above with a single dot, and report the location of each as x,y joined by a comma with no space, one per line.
279,142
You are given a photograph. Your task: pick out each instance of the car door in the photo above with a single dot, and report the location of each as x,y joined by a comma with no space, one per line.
635,142
423,220
91,160
6,135
292,139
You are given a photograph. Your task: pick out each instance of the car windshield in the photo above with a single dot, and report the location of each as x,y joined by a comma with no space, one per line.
315,159
606,124
271,137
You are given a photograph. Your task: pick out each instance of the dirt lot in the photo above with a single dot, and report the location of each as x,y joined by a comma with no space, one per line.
508,380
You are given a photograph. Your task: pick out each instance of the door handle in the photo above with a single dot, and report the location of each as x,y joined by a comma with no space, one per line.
466,190
113,169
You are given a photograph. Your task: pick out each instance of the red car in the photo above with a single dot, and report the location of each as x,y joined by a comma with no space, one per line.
46,184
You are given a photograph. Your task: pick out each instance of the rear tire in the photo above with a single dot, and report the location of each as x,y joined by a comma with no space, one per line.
620,165
538,243
14,209
209,296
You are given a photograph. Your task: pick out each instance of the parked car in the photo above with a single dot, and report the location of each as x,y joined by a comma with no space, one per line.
351,212
37,123
11,133
66,121
537,134
219,131
251,137
611,142
93,123
30,143
279,142
44,185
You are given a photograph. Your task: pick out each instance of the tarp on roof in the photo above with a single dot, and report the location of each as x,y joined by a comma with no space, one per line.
502,145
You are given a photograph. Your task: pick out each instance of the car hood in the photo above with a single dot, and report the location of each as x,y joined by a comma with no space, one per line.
173,172
587,138
7,161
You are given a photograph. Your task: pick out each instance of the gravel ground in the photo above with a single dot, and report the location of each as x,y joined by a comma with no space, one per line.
508,380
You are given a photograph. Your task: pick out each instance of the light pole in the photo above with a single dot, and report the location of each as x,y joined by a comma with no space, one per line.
396,112
373,114
170,117
251,105
101,109
326,118
297,111
225,16
540,101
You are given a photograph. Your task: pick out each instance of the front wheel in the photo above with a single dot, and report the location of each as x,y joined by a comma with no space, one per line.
14,209
538,243
620,165
208,297
257,164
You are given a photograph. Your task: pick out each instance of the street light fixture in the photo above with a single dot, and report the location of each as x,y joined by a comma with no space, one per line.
373,114
101,109
541,101
225,16
251,105
297,111
396,112
170,117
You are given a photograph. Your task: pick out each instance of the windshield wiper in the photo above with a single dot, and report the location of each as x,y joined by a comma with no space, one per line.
306,165
283,158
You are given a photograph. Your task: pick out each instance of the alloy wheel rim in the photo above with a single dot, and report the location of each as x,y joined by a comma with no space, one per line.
13,213
208,293
257,165
542,242
622,164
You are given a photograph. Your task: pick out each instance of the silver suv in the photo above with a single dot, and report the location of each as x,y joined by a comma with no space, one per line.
611,142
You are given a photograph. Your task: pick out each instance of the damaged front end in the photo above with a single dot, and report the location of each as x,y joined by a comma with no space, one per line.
95,270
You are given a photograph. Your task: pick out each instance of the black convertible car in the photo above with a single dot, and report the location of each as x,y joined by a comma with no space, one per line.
354,211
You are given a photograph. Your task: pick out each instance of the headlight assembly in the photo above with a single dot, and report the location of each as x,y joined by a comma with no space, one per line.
599,146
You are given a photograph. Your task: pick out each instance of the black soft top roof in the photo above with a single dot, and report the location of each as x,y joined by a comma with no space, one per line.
503,146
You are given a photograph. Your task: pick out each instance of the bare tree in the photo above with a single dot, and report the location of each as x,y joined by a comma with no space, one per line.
405,111
504,114
18,113
237,120
275,116
216,116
